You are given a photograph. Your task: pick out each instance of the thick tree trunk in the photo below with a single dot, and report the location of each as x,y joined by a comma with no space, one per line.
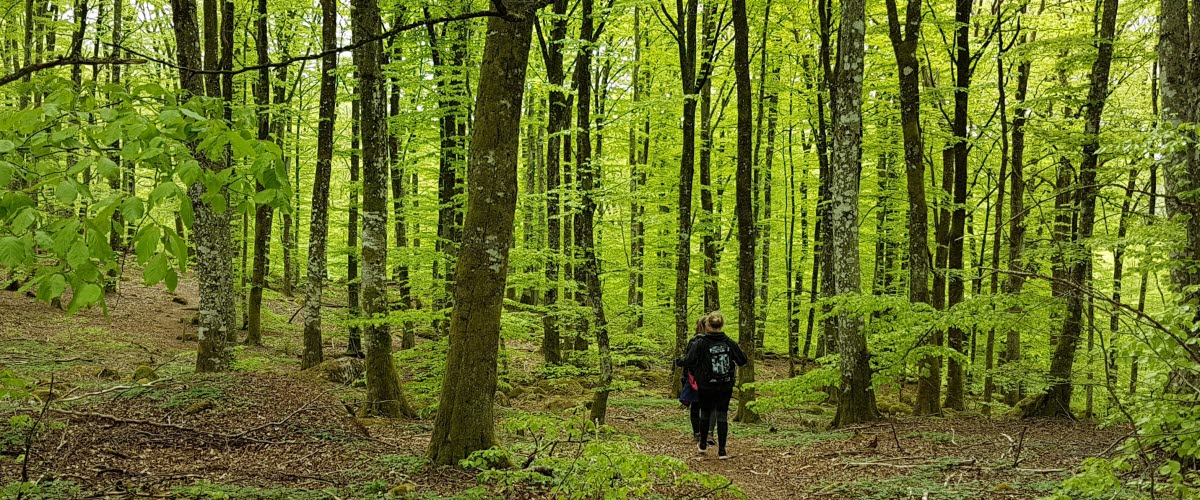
856,399
1179,44
904,44
318,232
747,233
384,394
465,421
210,229
1056,402
262,212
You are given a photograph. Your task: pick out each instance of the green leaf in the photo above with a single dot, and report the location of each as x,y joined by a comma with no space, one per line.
265,196
133,209
85,295
147,243
52,287
6,145
242,148
66,191
13,252
156,270
186,213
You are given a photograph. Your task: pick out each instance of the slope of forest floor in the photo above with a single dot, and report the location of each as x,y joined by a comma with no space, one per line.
129,419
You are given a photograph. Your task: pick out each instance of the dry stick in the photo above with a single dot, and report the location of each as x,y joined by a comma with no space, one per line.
895,437
1020,446
114,388
29,439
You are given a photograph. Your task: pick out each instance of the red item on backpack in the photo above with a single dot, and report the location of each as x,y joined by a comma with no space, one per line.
692,382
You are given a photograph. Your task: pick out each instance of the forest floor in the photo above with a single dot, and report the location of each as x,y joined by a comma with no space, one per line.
129,419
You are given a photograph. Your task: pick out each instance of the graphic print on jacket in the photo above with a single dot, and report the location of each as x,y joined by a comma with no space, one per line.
720,361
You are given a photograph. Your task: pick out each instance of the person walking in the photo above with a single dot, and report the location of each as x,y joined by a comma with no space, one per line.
712,360
689,395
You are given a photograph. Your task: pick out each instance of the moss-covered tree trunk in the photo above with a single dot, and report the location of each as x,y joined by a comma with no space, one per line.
210,229
747,232
384,394
856,398
263,212
318,232
465,421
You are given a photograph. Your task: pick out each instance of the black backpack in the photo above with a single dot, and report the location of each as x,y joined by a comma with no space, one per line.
716,366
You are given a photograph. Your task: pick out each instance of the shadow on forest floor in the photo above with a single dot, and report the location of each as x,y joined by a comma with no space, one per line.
130,419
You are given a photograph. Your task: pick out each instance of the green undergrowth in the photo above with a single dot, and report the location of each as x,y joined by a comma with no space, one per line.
370,490
931,482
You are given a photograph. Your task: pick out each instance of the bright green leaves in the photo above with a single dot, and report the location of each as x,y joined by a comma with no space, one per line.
84,296
15,252
6,146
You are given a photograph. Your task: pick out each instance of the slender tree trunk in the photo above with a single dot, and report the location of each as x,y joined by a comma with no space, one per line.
955,394
465,421
904,44
318,231
1016,224
711,231
639,141
384,394
747,237
262,212
764,298
1002,89
556,124
1056,402
354,344
685,39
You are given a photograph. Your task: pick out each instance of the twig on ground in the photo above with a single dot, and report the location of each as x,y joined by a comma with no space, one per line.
896,437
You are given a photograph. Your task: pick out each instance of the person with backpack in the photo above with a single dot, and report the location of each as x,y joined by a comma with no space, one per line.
689,395
712,360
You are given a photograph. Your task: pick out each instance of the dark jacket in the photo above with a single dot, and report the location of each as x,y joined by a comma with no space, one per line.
697,350
687,394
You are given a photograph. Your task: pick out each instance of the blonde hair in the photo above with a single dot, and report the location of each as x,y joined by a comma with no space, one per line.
716,320
700,325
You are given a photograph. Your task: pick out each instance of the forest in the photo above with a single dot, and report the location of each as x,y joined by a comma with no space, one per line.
436,249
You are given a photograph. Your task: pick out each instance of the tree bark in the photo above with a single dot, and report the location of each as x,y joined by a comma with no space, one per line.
1016,224
465,420
384,394
210,229
747,233
904,44
318,232
1056,402
556,124
353,277
685,40
263,213
955,394
856,399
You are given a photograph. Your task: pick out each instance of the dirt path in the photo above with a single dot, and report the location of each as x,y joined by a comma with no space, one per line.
965,457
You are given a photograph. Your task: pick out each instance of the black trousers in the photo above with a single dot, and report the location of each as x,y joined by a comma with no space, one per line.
714,401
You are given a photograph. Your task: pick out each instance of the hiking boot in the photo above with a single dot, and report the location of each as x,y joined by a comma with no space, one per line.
701,448
723,455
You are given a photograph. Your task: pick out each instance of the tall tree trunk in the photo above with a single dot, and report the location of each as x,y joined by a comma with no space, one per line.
318,231
685,40
955,394
1179,44
1016,224
465,421
448,60
210,228
747,233
262,211
904,44
639,143
856,398
556,124
764,298
1002,90
711,231
353,282
115,240
1056,402
384,394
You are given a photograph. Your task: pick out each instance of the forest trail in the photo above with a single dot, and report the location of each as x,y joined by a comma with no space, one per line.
188,435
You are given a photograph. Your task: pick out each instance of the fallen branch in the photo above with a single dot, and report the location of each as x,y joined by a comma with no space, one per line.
114,388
